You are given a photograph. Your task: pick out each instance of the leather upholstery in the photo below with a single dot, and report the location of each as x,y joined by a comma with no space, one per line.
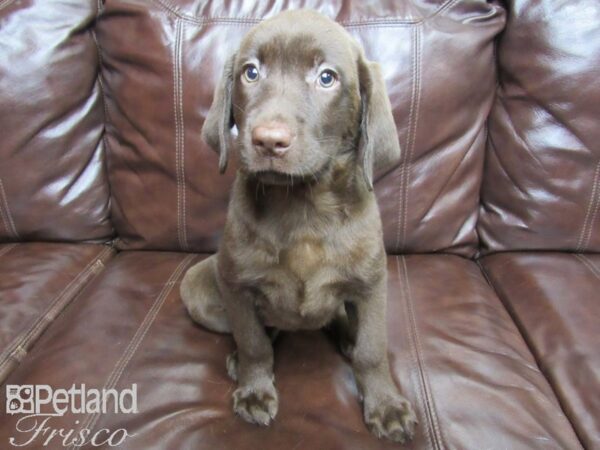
158,95
542,173
454,352
53,184
104,134
37,281
553,298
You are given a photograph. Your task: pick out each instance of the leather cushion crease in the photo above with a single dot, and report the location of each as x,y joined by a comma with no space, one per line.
38,281
553,298
53,184
158,95
542,173
458,357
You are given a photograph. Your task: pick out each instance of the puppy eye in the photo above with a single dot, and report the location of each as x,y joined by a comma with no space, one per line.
327,78
251,73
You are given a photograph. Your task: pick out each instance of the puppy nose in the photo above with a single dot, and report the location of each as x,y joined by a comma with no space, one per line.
273,137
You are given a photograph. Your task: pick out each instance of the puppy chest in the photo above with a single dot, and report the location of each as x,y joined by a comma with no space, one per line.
289,303
303,259
301,291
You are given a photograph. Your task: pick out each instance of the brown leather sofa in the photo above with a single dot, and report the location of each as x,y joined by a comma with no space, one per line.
108,194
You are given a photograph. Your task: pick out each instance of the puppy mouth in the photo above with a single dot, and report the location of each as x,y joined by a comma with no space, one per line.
280,176
277,178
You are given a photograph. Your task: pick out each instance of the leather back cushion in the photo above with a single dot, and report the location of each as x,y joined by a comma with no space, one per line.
53,183
542,175
161,60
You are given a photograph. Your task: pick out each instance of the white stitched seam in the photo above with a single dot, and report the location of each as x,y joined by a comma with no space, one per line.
423,378
11,224
5,3
399,218
4,218
170,8
182,139
413,134
136,340
585,261
178,114
410,140
176,118
593,207
414,357
73,286
581,242
7,249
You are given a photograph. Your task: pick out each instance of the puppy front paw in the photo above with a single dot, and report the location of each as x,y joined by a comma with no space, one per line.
256,404
392,418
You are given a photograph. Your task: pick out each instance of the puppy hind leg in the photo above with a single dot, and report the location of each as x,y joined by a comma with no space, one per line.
342,329
202,298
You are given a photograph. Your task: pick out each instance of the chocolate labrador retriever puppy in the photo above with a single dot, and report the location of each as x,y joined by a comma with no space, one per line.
302,246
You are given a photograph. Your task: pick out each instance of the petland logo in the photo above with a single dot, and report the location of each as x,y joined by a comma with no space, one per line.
41,403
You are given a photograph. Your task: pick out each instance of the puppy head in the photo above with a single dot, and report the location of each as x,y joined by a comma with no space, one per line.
301,94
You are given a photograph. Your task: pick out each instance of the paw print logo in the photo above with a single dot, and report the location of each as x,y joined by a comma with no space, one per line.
19,399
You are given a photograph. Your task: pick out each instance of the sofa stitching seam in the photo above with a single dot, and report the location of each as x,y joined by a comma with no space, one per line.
595,198
435,434
413,353
177,108
18,353
7,249
5,3
137,339
73,285
4,217
49,313
410,141
400,214
586,261
531,347
176,119
413,133
10,224
374,22
584,237
182,138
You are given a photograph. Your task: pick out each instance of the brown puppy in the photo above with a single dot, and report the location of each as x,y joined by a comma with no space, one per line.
303,243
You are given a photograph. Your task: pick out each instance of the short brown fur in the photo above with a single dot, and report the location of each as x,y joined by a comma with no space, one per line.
303,245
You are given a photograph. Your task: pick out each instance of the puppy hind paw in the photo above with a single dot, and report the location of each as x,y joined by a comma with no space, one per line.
393,419
257,405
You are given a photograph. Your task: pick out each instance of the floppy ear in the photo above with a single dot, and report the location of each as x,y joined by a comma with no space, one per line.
379,147
219,121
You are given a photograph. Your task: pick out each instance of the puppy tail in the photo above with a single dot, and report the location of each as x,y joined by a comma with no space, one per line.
201,296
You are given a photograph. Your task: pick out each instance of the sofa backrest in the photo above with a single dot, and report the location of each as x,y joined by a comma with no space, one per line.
161,60
53,184
541,188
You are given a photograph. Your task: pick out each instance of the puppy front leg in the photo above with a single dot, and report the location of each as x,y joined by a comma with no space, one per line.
387,413
255,398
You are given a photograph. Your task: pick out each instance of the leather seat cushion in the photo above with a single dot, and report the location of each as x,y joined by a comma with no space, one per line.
37,281
454,351
553,297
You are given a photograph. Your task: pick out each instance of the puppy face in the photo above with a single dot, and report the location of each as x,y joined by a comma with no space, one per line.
301,93
296,98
